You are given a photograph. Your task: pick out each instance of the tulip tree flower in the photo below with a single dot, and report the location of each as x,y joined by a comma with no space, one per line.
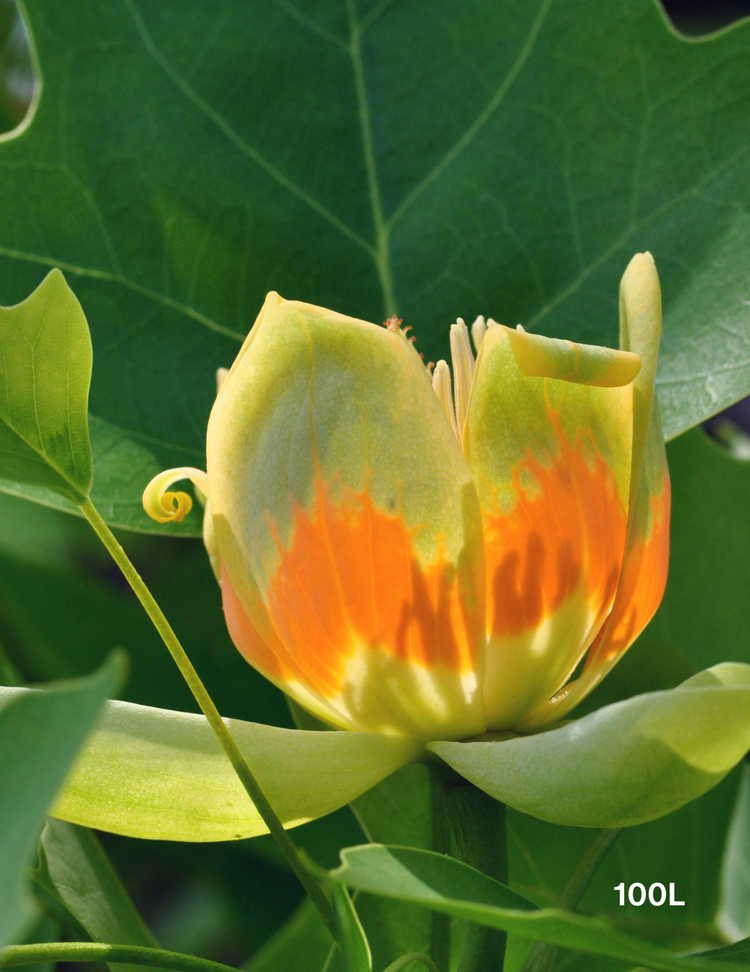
432,560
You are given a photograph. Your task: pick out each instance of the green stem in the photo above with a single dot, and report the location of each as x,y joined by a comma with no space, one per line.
404,960
542,956
478,824
204,700
94,952
440,939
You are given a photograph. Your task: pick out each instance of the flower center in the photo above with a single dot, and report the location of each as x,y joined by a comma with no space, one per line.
455,401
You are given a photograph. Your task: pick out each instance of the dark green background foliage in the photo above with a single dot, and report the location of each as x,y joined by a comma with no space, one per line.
432,158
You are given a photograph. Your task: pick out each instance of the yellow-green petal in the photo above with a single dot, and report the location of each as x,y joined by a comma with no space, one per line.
550,460
347,524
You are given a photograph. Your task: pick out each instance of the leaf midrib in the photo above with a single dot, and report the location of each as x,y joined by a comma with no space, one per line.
379,251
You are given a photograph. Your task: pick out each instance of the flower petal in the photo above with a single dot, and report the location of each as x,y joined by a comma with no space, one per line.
157,774
348,524
551,463
624,764
646,561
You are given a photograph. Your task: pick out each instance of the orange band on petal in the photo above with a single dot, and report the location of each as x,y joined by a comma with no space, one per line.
351,577
390,643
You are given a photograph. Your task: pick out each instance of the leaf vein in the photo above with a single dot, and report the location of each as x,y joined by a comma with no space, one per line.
481,120
123,281
244,147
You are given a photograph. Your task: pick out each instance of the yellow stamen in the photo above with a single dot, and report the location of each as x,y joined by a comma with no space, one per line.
221,376
463,372
478,329
441,382
166,507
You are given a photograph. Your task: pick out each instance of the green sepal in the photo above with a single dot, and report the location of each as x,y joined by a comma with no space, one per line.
624,764
157,774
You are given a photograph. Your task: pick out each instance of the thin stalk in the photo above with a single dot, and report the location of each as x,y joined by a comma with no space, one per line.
440,939
204,700
542,956
404,960
94,952
478,824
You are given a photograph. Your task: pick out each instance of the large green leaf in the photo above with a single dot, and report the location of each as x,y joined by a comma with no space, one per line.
154,773
706,610
449,886
182,163
45,372
75,870
625,764
40,733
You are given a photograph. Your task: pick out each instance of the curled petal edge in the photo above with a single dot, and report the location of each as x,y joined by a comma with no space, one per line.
165,506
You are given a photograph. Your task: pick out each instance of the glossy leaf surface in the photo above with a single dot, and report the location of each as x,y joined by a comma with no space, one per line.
40,734
176,199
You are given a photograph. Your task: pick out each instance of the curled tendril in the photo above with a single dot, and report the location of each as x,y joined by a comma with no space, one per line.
165,506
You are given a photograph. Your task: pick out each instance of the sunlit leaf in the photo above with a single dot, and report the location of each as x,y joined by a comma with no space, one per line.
45,371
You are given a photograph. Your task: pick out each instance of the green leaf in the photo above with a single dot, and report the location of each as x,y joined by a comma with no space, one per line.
302,944
180,166
706,610
738,952
451,887
45,372
685,847
396,811
624,764
40,733
158,774
75,870
734,915
354,947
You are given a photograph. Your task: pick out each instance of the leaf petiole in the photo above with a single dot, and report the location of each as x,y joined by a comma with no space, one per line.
95,952
404,960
